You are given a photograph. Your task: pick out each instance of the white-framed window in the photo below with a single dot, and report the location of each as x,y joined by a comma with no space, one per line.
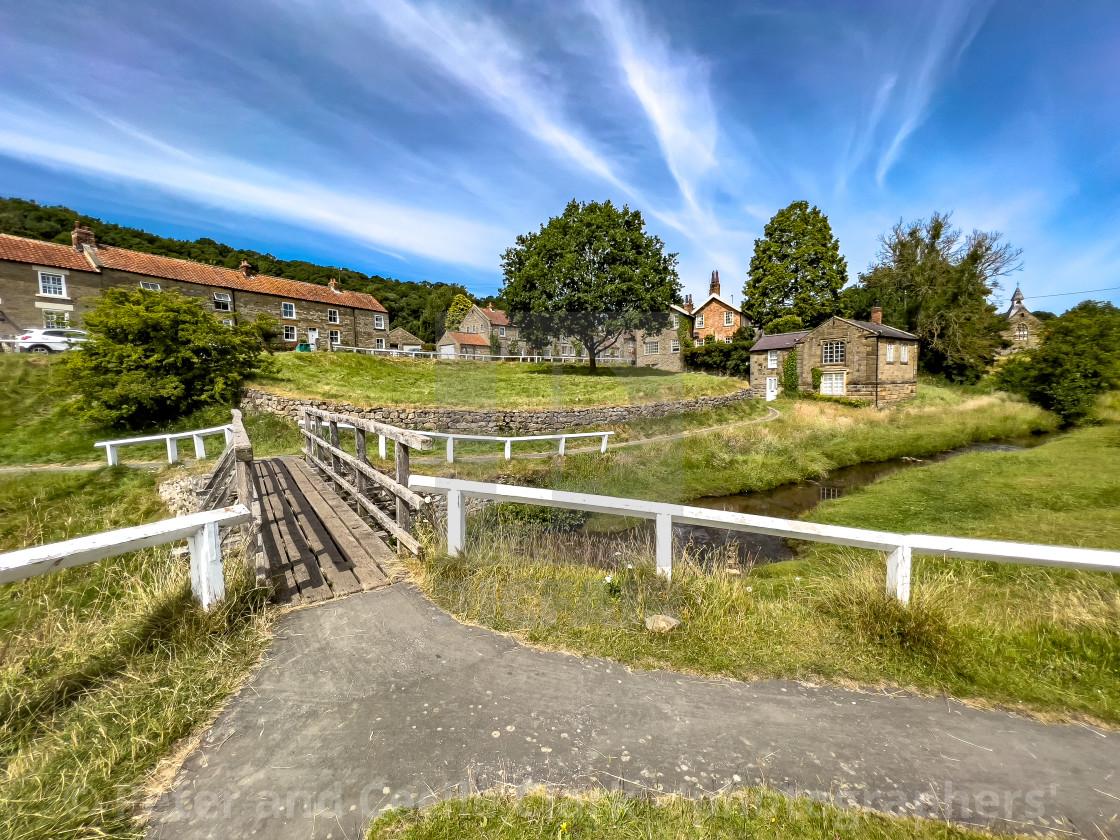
727,339
729,319
772,359
651,348
379,343
890,354
336,337
700,341
675,320
699,321
502,332
287,310
905,354
228,322
674,346
290,333
379,322
55,320
224,303
1021,332
332,316
52,285
832,384
833,353
149,286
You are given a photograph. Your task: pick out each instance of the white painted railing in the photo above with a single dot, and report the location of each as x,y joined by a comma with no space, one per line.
900,547
200,530
171,439
510,440
430,354
451,437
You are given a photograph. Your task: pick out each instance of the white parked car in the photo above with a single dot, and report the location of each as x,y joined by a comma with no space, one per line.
51,340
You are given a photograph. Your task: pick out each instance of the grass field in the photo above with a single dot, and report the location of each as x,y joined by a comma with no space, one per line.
1033,638
368,381
104,667
602,816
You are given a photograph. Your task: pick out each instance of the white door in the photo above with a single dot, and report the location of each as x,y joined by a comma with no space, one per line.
447,351
771,388
312,337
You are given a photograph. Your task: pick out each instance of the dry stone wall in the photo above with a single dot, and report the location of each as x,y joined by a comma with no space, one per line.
524,421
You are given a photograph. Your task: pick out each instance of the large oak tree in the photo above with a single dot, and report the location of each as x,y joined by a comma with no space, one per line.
592,274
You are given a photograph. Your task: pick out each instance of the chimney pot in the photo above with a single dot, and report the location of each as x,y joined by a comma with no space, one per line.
245,268
713,287
876,315
333,285
82,236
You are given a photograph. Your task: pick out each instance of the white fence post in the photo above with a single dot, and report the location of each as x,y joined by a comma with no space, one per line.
450,449
207,581
898,574
664,544
603,448
509,446
381,447
113,455
563,440
228,433
456,523
200,447
172,450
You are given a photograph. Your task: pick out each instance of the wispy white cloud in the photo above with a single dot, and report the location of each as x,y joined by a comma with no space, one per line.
672,87
236,185
954,26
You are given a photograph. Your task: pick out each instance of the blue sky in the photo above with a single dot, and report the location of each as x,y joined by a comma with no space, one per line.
417,139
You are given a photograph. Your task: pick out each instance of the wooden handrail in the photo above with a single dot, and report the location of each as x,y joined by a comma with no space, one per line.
413,440
414,501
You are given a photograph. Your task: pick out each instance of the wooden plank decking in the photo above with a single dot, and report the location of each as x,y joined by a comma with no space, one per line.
317,547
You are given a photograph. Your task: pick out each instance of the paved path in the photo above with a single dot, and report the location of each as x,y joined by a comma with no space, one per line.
381,699
771,414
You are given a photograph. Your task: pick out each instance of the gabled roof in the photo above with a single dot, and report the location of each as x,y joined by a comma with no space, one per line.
779,341
497,317
47,254
1017,305
880,329
722,300
469,339
680,310
93,259
399,335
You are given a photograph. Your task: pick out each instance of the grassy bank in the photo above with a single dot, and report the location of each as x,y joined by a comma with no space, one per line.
753,813
38,423
104,667
808,440
1042,639
368,381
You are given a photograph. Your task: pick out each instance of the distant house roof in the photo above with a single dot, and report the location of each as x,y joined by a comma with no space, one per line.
497,317
94,258
399,335
469,339
725,302
680,310
779,341
881,329
47,254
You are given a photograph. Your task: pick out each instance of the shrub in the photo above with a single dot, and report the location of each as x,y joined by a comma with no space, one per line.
732,359
155,356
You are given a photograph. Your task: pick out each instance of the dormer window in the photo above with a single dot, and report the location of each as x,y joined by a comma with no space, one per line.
223,302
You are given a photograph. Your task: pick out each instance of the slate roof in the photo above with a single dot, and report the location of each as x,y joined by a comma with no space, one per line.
51,254
882,329
470,339
779,341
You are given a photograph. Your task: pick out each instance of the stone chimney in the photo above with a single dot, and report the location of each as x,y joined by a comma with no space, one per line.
82,236
245,268
713,287
688,302
876,315
333,286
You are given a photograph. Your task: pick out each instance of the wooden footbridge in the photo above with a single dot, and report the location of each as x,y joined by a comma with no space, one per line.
329,523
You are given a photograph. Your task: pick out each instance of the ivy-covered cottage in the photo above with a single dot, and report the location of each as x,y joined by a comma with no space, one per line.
866,360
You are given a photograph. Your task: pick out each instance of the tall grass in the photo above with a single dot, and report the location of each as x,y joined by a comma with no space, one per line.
104,667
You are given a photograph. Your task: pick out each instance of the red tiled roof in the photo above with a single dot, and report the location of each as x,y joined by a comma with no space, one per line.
211,275
473,339
18,249
37,252
497,316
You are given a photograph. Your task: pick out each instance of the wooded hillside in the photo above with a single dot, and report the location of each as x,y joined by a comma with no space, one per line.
418,307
